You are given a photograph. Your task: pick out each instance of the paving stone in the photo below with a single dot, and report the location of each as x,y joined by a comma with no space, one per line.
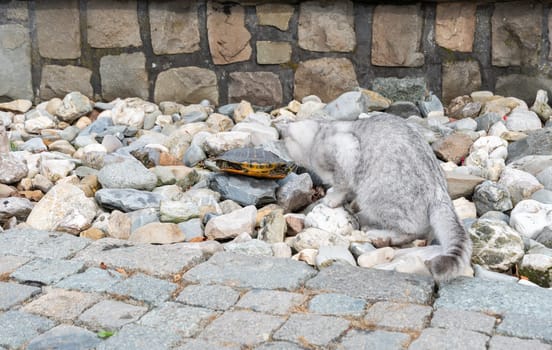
199,344
145,288
138,337
373,285
312,329
453,339
186,321
20,327
251,272
459,319
111,315
92,280
58,29
10,263
47,271
381,340
13,293
40,244
279,345
209,296
401,317
526,326
242,327
499,342
63,305
336,305
15,55
270,301
156,260
65,337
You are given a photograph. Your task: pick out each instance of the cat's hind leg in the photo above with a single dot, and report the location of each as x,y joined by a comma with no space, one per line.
385,238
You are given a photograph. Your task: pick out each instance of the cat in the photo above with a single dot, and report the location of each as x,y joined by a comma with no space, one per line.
391,173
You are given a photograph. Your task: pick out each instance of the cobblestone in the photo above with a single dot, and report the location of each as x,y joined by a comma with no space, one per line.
14,335
62,304
312,329
46,271
13,293
459,319
65,337
402,317
374,340
111,315
92,280
337,305
145,288
434,338
270,301
211,297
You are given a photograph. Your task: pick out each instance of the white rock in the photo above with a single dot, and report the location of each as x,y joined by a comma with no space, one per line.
74,105
224,141
329,254
523,121
55,169
314,238
35,125
259,118
407,264
498,129
309,108
464,208
242,110
499,153
545,178
307,255
260,133
520,184
347,106
232,224
336,220
488,144
163,120
530,217
19,105
281,250
376,257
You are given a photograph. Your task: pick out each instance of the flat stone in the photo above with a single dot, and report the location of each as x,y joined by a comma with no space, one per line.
455,26
161,260
127,199
326,78
127,174
461,185
145,288
200,344
228,36
461,77
13,169
212,297
10,263
538,142
251,272
336,305
454,147
245,190
232,224
250,247
357,339
124,75
396,36
14,335
58,30
261,88
273,52
138,337
103,24
402,317
15,53
62,305
13,293
242,327
460,319
15,207
512,46
174,27
186,85
19,105
434,338
404,109
65,337
499,342
92,280
40,244
58,81
270,301
158,233
523,121
179,319
410,89
373,285
311,329
526,326
46,271
326,27
274,14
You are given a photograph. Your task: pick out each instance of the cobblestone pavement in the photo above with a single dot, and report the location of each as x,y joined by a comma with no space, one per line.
64,292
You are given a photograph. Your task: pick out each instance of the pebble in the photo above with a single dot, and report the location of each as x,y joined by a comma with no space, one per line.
232,224
335,220
313,238
541,106
523,121
158,233
259,133
294,192
73,106
127,173
491,196
376,257
530,217
520,184
245,190
329,254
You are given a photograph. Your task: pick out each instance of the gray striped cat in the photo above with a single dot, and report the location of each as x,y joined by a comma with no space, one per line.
389,170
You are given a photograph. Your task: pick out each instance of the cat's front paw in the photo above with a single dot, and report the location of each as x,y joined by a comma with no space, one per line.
333,198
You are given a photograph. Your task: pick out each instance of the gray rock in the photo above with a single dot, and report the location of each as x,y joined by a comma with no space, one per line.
14,335
405,89
347,106
370,284
404,109
232,224
60,304
312,329
245,190
212,297
461,185
278,345
142,217
538,268
520,184
271,301
434,339
491,196
194,154
145,288
360,248
385,340
13,169
46,271
485,121
138,337
178,211
34,145
251,247
92,280
543,196
430,104
538,142
526,326
499,342
336,305
191,228
295,192
496,216
65,337
179,319
40,244
402,317
242,327
127,199
127,174
74,105
13,293
246,272
15,207
111,315
327,255
545,237
545,178
460,319
523,121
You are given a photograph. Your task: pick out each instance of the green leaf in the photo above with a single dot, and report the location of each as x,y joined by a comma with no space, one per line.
105,334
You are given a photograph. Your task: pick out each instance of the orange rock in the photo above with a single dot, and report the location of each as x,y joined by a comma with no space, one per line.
167,159
34,196
93,233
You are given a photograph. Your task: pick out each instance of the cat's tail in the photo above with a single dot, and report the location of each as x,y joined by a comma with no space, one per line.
454,239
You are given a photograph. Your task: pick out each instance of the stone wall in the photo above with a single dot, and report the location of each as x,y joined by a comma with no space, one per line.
269,53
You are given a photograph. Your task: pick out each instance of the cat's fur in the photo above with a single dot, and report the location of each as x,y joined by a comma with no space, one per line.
389,170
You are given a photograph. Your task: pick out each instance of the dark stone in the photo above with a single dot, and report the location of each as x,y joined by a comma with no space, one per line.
403,109
538,142
487,120
245,190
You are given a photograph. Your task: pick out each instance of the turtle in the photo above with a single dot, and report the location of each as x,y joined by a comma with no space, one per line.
256,162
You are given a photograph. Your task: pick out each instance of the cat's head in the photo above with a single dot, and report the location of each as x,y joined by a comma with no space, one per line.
298,138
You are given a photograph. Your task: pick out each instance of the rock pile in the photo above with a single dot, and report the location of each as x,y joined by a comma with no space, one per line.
134,170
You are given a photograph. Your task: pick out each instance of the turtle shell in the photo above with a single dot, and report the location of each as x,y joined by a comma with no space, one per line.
255,162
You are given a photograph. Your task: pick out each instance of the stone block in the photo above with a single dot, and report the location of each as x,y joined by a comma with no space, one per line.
58,29
499,342
434,339
356,339
65,337
460,319
455,25
112,23
92,280
62,305
14,10
40,244
15,62
177,318
270,301
186,85
402,317
46,271
326,26
13,293
326,78
259,88
20,327
174,27
209,296
274,14
228,36
460,78
516,33
138,337
312,329
396,36
124,75
401,89
272,52
145,288
58,81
